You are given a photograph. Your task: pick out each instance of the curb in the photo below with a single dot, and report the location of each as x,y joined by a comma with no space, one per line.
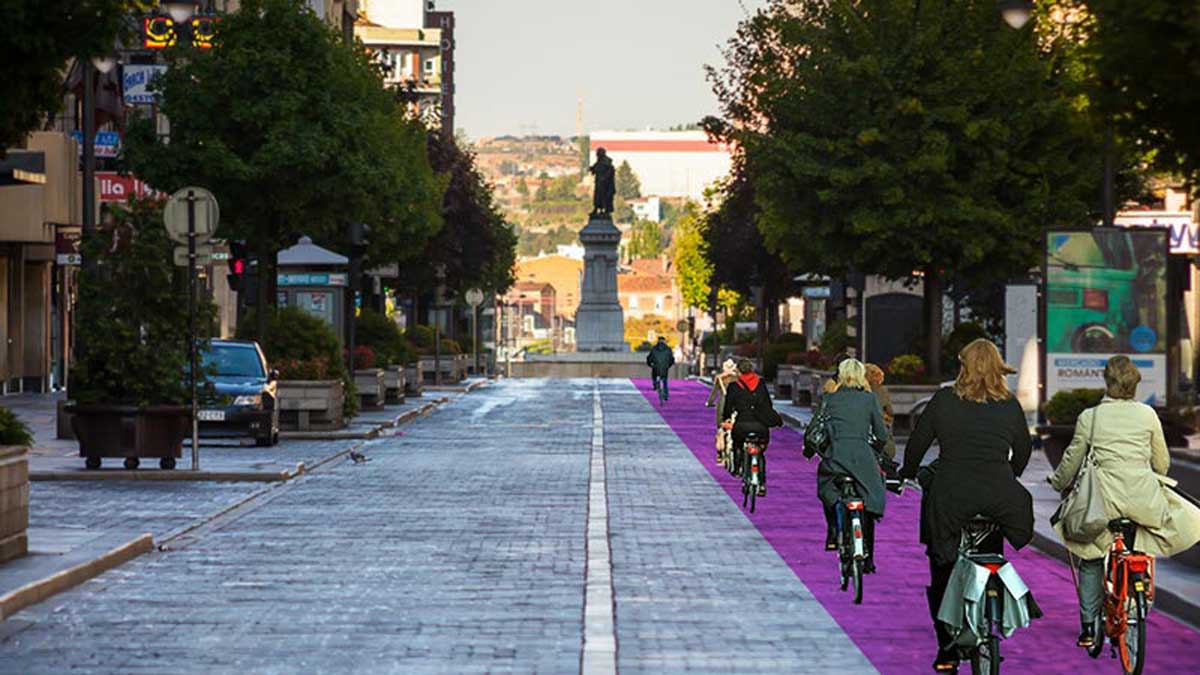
37,591
159,475
338,435
406,417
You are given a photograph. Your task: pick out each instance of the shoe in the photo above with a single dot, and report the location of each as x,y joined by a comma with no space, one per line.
868,565
946,662
1087,637
831,539
762,490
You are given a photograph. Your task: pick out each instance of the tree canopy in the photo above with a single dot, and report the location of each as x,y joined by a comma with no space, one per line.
627,183
693,270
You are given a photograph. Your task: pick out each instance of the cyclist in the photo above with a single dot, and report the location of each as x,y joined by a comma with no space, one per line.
1131,459
748,397
728,375
858,433
660,359
985,446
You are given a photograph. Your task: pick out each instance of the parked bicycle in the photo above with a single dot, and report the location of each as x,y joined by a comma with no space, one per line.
852,547
1128,595
752,468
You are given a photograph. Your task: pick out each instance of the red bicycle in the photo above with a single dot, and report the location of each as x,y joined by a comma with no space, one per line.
1128,595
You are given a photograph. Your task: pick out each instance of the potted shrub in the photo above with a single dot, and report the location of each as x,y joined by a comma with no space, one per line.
315,391
1061,411
392,353
15,440
128,388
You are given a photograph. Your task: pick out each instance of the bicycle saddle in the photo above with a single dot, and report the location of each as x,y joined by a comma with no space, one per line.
845,480
1120,524
979,523
754,437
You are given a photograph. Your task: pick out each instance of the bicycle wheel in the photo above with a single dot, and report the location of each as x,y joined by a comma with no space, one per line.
857,572
753,494
1132,645
985,659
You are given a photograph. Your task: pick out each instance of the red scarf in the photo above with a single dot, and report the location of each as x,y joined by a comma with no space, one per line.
750,381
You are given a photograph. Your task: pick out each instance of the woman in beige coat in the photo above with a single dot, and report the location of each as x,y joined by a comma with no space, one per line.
727,376
1132,460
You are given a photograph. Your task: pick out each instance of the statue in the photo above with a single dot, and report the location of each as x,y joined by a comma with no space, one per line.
606,184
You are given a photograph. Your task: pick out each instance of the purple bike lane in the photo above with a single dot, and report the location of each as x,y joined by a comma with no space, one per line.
892,625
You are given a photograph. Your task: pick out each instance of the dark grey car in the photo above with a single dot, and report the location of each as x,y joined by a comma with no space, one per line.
246,393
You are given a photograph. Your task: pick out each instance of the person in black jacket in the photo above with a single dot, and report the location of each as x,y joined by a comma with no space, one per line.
660,359
985,446
749,398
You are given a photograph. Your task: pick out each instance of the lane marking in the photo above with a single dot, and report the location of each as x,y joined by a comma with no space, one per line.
599,625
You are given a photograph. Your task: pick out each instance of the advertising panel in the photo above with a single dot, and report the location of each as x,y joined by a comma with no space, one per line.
136,83
1106,294
117,188
1185,240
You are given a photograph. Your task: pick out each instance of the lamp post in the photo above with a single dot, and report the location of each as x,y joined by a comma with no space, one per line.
89,68
1016,13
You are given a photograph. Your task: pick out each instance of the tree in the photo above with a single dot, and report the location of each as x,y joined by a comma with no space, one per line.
1148,55
645,241
627,183
292,130
40,38
584,145
693,270
893,137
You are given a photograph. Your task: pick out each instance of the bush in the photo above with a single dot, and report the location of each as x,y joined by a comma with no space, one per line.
906,369
383,336
790,339
364,357
962,335
317,368
421,338
645,346
12,430
297,336
1064,407
835,341
812,358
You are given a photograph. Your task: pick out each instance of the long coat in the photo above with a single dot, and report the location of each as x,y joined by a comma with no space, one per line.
660,359
1132,461
749,398
855,419
720,384
984,447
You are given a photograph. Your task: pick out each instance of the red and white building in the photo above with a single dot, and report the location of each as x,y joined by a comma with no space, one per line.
668,163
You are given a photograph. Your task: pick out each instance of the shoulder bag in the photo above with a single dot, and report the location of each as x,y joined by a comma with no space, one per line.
818,435
1082,512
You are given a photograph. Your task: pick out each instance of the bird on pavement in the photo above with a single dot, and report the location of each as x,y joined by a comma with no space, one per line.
358,457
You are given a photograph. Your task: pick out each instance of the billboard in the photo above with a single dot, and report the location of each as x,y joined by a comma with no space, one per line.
1106,294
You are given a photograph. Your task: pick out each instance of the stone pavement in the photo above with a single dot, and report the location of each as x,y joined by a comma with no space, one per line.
892,626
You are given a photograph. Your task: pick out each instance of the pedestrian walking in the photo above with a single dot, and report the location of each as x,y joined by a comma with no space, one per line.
985,445
660,359
1130,458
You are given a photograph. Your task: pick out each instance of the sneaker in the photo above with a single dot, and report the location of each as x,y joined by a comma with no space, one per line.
831,539
1087,637
762,490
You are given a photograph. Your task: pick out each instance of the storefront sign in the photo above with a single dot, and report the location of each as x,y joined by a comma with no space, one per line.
816,291
66,244
136,83
1106,294
107,143
117,188
1184,237
312,279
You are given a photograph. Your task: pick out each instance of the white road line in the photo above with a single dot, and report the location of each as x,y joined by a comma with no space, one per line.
599,629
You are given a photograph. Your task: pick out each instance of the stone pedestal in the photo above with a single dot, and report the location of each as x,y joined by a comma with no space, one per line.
600,322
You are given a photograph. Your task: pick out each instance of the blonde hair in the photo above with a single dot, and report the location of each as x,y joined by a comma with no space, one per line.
729,367
874,374
1121,377
981,377
852,373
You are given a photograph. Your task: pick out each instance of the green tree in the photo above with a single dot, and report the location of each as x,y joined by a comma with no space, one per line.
40,38
693,270
893,136
584,143
292,130
645,241
627,183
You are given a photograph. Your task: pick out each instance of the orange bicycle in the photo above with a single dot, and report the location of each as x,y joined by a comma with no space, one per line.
1128,594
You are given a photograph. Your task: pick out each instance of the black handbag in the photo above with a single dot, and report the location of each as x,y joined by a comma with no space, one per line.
818,435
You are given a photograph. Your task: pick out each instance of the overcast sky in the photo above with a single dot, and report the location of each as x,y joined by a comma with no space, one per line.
521,64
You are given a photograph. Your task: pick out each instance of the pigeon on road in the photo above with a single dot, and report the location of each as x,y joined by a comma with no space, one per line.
358,457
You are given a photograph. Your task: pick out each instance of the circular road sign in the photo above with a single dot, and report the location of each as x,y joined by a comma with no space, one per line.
207,214
474,297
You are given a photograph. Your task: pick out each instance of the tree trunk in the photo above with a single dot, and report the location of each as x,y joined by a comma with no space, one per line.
933,323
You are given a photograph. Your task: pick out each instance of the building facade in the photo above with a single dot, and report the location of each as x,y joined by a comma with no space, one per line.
668,163
415,46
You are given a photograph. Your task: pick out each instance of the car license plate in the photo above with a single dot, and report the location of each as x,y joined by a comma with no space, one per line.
211,416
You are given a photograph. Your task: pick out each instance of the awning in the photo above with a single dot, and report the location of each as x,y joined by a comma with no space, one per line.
21,167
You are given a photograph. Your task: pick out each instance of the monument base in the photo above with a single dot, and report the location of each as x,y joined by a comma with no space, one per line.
600,328
622,365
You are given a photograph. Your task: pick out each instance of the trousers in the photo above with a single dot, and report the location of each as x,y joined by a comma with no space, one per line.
1091,589
661,381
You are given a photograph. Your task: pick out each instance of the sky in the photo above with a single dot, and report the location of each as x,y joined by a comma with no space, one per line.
522,64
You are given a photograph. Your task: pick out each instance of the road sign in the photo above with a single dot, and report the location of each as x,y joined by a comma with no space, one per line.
207,215
474,297
204,255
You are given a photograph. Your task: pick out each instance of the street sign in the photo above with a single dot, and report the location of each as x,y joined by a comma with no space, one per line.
207,215
204,255
474,297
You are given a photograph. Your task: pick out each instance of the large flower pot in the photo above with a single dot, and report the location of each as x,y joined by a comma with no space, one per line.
1055,439
413,385
131,432
394,384
306,405
451,367
14,501
370,386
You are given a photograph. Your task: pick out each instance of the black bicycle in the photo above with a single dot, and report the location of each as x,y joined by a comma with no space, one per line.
852,545
752,453
984,654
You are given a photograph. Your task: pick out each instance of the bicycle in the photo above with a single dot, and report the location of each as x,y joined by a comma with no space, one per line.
1128,594
852,546
751,468
984,655
660,386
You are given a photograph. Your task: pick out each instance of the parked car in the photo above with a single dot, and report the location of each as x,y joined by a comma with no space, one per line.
245,393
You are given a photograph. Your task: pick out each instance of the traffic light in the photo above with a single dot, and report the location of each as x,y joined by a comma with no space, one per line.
360,237
238,261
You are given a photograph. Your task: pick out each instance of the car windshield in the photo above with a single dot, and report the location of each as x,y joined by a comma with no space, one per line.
228,361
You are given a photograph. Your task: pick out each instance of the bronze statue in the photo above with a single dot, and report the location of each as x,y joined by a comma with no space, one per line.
606,184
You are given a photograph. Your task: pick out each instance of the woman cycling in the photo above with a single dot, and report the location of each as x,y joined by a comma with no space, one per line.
858,429
748,397
985,446
727,376
1132,460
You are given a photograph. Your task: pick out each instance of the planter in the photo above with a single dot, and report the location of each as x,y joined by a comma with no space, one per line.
131,432
306,405
453,368
1055,439
62,423
370,386
413,385
14,501
394,384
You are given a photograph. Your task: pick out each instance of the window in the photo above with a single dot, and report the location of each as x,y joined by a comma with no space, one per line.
658,303
633,302
429,66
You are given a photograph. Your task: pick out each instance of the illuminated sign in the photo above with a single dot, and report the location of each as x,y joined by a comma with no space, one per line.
159,32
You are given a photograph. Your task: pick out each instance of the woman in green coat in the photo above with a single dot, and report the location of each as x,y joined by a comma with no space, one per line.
858,432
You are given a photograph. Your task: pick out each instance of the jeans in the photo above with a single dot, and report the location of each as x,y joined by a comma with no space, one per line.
661,381
1091,589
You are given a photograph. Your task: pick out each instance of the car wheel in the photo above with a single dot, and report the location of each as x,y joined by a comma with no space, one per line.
132,463
92,463
166,463
267,441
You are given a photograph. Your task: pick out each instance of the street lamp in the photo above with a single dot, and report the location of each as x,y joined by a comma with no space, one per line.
179,12
104,64
1016,13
